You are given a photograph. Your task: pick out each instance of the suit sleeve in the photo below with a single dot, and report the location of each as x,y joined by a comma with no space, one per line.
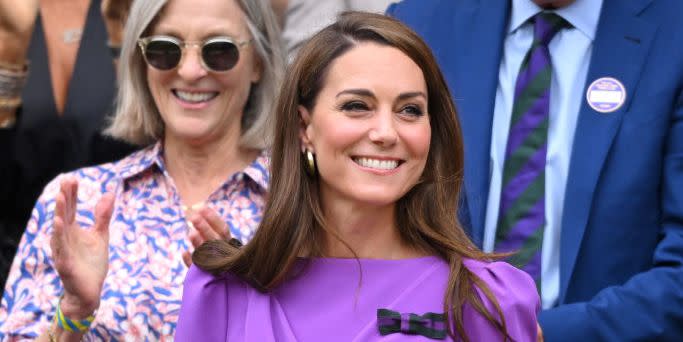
391,10
649,307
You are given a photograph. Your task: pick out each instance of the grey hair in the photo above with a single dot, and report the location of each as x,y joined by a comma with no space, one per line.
137,120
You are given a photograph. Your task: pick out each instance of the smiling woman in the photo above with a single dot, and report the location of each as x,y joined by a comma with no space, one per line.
196,81
360,237
369,130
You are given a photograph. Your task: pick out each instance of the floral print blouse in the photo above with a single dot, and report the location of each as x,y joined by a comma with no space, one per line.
148,233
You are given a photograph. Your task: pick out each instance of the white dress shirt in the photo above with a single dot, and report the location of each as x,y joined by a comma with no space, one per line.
570,53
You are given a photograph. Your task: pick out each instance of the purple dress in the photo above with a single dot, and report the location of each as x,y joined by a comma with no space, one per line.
329,301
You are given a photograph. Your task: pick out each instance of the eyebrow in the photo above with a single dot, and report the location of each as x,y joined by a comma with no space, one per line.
216,31
368,93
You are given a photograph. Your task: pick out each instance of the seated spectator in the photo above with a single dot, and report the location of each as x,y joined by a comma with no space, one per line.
102,256
360,238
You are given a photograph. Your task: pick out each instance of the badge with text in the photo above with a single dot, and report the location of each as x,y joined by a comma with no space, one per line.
606,95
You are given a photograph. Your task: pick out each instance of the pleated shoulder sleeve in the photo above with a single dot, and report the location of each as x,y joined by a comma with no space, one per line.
204,308
517,296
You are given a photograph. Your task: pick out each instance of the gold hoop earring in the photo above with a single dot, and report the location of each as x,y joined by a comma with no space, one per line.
310,163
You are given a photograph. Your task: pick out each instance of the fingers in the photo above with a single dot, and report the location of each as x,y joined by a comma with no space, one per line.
187,258
65,213
103,211
69,190
208,224
60,204
539,333
195,238
215,222
57,238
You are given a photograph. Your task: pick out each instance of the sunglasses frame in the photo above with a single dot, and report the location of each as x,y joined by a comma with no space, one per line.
143,42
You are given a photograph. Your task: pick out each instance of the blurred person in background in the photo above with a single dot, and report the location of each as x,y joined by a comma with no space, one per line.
57,84
360,240
572,112
303,18
106,249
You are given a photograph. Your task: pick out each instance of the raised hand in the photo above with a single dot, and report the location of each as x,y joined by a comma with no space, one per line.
17,20
205,225
81,256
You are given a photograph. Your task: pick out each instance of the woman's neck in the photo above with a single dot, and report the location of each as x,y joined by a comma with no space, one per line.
199,169
369,231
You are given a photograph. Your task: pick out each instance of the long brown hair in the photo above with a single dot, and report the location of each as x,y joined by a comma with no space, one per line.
293,223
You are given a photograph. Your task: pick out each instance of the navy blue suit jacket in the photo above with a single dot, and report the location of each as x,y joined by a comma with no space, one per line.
621,254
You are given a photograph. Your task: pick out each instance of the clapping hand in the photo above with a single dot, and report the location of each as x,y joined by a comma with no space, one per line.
205,225
81,256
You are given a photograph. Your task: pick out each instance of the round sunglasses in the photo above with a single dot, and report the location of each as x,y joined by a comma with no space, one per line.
165,52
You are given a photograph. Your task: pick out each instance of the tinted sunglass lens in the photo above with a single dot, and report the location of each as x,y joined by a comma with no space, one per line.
220,56
162,54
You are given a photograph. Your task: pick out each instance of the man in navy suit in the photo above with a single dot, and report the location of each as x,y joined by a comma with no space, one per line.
609,249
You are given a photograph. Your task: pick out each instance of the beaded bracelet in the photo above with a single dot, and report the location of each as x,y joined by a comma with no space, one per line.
12,80
14,67
72,325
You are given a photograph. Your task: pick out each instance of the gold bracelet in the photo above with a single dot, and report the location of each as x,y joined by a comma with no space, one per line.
14,67
9,103
8,122
11,85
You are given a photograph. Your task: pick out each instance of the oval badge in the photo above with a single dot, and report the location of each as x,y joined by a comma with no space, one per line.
606,95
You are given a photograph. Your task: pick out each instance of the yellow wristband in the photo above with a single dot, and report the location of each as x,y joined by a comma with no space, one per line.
72,325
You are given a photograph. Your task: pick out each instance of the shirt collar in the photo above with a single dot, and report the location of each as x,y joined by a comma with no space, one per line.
258,170
582,14
143,160
140,161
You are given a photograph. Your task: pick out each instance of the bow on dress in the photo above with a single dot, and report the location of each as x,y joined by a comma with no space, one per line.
430,325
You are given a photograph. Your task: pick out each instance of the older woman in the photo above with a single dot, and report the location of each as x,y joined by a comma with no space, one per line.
360,238
197,78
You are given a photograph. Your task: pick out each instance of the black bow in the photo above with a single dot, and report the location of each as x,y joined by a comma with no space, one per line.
430,325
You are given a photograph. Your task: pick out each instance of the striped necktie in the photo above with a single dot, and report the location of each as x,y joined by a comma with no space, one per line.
521,217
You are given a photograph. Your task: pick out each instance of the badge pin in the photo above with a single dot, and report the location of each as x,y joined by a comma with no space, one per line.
606,95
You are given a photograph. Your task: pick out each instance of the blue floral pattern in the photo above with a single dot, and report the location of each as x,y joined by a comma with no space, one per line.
148,233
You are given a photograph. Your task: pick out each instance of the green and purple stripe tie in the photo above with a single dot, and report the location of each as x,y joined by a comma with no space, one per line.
521,217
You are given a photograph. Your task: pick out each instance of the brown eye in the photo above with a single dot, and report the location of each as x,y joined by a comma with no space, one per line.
354,106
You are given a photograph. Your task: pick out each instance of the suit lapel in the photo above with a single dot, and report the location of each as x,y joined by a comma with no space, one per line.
477,35
619,50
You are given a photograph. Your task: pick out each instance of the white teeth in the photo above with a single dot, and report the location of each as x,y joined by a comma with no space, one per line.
377,164
194,97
